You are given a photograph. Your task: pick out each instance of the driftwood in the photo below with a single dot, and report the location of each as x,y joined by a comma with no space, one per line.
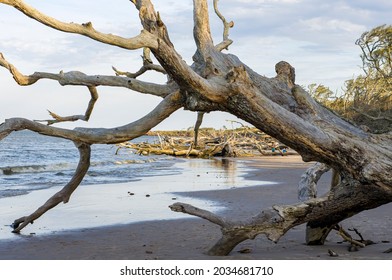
274,222
217,81
206,143
346,236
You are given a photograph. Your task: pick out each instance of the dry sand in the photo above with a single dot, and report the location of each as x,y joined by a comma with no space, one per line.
183,237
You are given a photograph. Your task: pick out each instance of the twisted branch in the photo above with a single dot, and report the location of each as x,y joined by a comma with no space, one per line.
85,117
226,28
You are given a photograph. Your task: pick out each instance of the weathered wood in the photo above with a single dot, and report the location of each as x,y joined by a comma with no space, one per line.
274,222
307,186
198,123
316,231
219,81
241,142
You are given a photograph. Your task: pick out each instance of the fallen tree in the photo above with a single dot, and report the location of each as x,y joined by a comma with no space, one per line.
217,81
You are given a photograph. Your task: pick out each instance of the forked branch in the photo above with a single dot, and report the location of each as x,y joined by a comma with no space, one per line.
147,66
165,108
85,117
83,138
226,28
81,79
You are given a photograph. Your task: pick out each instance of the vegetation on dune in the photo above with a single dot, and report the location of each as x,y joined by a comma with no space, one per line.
367,99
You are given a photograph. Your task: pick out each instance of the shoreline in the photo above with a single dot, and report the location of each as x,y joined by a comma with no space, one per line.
189,238
135,201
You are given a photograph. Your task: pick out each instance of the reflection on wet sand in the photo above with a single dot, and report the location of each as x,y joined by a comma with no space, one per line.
225,169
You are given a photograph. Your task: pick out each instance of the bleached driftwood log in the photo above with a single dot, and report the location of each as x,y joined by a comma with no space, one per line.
220,81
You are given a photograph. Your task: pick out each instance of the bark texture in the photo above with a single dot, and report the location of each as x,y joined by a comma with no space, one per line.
220,81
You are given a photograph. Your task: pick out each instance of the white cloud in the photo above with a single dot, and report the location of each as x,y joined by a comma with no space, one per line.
268,1
323,24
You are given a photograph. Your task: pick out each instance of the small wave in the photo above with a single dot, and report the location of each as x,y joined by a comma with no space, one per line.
19,190
9,193
10,170
132,161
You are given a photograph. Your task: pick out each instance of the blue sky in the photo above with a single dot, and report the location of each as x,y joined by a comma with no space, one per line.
316,37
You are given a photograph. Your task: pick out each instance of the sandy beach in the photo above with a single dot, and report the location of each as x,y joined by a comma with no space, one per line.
132,220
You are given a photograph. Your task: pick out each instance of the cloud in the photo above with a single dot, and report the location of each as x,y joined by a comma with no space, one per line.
322,24
317,37
294,18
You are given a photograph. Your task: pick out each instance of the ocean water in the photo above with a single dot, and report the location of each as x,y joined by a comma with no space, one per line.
30,161
34,167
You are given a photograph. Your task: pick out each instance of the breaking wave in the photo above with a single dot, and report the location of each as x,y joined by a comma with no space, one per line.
10,170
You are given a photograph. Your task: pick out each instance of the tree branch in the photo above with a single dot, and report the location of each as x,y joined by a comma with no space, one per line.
81,79
154,30
144,39
147,65
347,237
207,215
274,222
226,27
83,138
316,133
152,21
165,108
63,195
85,117
171,61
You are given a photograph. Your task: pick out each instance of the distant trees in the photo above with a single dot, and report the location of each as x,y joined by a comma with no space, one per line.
367,99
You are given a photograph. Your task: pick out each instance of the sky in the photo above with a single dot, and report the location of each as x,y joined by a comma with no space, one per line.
317,37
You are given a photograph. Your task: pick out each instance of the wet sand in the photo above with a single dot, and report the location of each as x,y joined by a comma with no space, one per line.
59,234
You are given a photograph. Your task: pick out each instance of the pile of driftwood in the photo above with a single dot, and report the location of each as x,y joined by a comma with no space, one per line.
210,142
